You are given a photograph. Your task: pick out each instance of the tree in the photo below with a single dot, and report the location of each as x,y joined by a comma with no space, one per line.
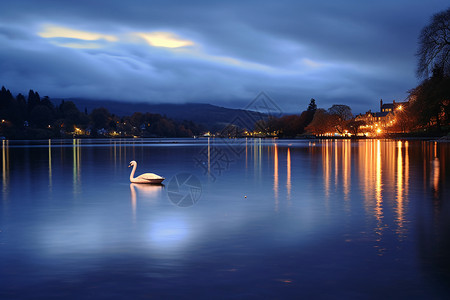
41,116
308,115
434,46
354,125
312,105
430,101
33,100
342,114
404,122
100,118
322,123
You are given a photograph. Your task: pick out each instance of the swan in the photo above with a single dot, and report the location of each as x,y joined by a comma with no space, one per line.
144,178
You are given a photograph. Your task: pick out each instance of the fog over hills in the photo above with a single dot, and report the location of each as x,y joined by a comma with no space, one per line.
211,116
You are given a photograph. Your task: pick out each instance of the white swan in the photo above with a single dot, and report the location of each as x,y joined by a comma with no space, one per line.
144,178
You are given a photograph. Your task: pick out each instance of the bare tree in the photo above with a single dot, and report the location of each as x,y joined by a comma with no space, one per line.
342,114
434,46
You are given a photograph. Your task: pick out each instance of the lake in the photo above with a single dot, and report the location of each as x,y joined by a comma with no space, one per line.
234,218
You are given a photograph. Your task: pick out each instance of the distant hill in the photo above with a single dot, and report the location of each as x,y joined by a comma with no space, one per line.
212,116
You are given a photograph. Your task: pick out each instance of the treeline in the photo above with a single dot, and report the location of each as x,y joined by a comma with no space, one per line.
34,117
312,121
289,125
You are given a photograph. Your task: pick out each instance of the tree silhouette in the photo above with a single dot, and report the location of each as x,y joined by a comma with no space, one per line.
340,115
434,46
430,101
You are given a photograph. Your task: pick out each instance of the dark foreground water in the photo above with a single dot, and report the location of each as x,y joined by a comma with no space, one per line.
239,219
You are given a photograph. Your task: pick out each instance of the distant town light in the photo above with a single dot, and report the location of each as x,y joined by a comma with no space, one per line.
400,107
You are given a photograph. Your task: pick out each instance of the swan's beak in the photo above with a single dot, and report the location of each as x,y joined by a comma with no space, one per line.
129,165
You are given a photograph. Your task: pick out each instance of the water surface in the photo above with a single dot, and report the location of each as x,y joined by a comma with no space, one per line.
255,219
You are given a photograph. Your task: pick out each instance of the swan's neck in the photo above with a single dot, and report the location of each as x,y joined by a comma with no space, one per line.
132,172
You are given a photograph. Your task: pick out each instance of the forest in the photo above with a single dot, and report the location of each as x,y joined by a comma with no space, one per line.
34,117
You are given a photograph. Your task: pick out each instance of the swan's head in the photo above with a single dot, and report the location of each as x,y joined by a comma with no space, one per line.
132,163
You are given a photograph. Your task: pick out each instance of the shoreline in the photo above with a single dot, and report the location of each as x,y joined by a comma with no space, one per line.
309,138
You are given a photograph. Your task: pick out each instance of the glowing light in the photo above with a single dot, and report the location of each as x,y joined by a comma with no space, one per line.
164,39
379,130
51,31
168,234
275,174
288,180
400,107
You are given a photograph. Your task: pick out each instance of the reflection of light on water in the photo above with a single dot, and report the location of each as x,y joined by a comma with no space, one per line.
375,169
435,175
406,168
50,164
257,156
118,152
435,165
400,208
288,180
168,234
209,158
346,168
76,149
246,154
336,165
133,200
326,165
145,191
378,198
5,167
275,175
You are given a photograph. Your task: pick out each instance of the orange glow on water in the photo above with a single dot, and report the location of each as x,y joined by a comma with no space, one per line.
288,175
400,189
275,175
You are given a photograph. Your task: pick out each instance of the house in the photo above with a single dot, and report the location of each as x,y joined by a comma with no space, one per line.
379,121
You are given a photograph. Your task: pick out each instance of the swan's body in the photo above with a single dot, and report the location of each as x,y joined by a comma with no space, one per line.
144,178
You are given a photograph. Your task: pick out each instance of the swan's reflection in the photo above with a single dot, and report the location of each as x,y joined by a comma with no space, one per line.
145,191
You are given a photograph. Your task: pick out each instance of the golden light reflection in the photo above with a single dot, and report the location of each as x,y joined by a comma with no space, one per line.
288,175
346,155
5,168
257,157
336,164
384,165
50,164
275,175
326,170
76,150
435,166
378,198
406,168
400,189
246,154
164,39
209,158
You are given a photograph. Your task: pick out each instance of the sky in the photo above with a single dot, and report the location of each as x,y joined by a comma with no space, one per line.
219,52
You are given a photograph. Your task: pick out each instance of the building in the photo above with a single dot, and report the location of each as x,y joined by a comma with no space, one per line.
385,118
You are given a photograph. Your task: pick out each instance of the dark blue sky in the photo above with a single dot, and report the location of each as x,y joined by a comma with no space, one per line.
218,52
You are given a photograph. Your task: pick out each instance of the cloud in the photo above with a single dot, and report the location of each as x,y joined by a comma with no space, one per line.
52,31
225,53
164,39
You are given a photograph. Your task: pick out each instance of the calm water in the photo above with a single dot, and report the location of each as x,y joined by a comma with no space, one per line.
239,219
